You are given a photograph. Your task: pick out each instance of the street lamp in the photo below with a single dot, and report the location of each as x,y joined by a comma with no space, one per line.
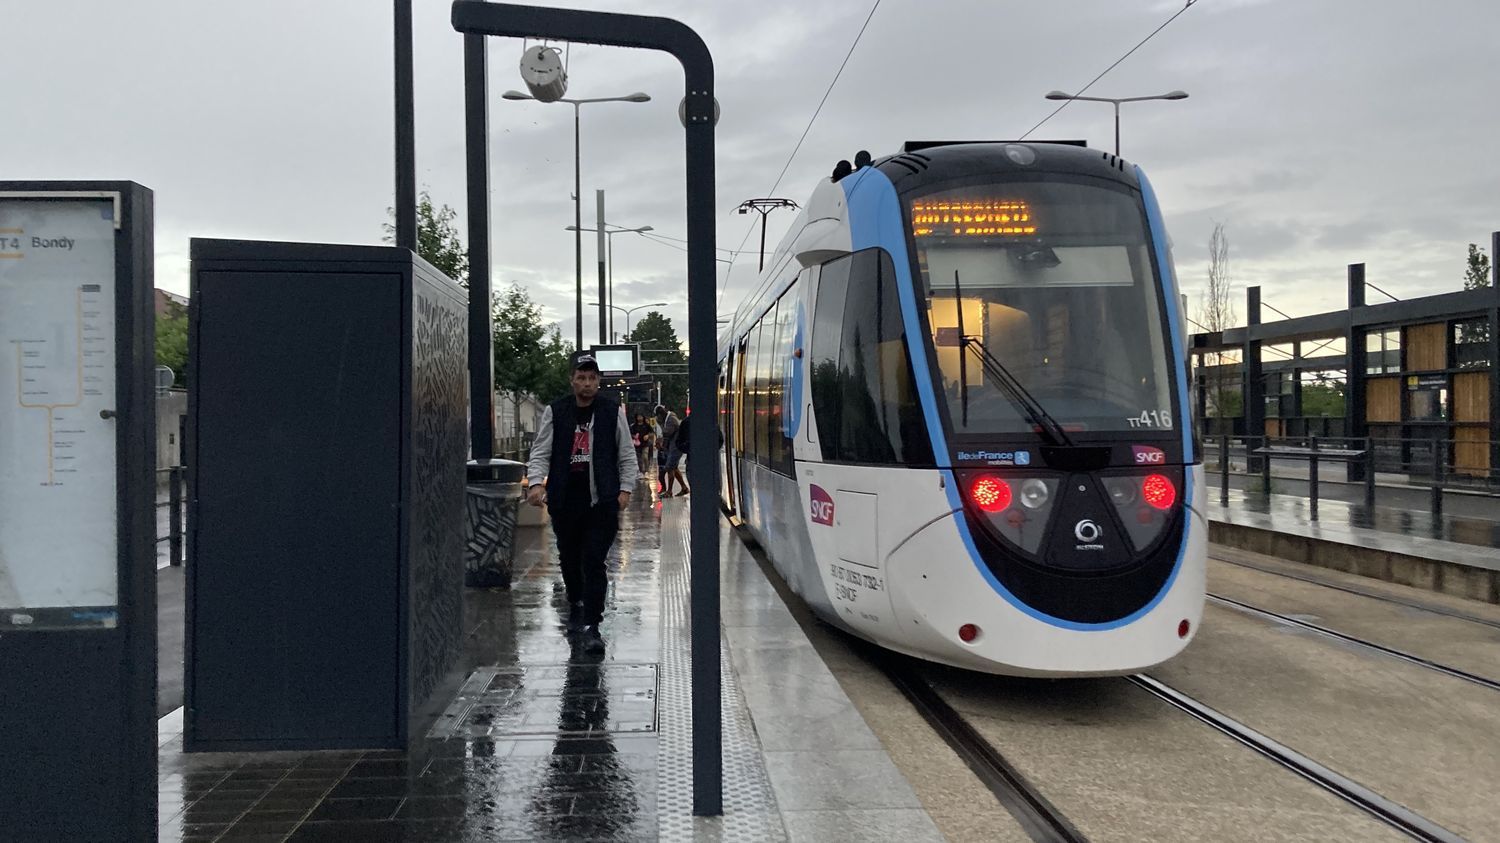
628,311
1170,95
578,189
609,294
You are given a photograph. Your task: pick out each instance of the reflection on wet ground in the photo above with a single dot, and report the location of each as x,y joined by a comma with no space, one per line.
540,743
1398,522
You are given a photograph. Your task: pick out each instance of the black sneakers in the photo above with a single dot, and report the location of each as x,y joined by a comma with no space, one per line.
590,640
576,622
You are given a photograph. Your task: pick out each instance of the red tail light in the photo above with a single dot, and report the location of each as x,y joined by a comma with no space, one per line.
990,493
1158,491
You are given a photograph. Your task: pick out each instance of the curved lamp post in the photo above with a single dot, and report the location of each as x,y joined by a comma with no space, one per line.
1170,95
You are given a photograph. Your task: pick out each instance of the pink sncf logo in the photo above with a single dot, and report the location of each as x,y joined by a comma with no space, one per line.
1147,455
822,506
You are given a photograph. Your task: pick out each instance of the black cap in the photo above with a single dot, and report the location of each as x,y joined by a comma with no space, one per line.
585,363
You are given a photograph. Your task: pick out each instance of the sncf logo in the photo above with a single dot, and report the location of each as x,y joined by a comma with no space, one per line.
1147,455
822,506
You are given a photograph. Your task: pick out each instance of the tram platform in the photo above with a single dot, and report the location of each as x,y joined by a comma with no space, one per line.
544,743
1445,553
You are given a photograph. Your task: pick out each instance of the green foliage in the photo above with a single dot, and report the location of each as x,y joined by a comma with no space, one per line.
437,238
172,341
1477,275
661,347
1323,399
529,356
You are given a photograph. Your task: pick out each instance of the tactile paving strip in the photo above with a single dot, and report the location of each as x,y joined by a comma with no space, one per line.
750,812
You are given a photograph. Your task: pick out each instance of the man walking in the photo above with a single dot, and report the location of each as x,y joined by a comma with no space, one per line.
583,452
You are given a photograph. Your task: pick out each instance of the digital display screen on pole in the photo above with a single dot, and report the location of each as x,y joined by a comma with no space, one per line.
59,560
617,361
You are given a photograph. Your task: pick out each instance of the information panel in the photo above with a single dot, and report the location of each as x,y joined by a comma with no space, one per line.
58,530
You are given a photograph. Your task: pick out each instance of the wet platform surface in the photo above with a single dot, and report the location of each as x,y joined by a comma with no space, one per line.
543,742
1464,541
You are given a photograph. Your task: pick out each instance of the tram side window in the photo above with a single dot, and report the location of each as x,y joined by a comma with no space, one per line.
752,402
828,319
868,396
763,387
775,443
785,347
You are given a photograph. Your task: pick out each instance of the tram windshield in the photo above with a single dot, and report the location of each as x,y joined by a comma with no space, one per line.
1053,281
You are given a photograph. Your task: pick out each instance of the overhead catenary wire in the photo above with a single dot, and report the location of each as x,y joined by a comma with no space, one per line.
1079,92
724,285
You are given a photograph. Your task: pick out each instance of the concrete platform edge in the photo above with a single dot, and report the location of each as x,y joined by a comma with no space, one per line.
1436,575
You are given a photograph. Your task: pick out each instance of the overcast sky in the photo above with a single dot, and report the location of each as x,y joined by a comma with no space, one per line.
1320,132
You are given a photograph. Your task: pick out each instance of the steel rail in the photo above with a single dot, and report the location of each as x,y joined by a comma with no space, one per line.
1041,820
1391,813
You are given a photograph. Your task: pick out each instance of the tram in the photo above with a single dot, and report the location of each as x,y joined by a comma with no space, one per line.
955,411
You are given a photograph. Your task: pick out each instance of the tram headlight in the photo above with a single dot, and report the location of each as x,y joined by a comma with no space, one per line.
1034,494
1121,490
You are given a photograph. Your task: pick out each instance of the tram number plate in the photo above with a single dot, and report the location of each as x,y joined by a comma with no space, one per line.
1152,418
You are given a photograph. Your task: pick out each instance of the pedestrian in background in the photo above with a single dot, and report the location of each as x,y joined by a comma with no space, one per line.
583,468
668,450
674,457
641,434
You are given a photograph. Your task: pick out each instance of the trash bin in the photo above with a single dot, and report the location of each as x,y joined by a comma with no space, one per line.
493,501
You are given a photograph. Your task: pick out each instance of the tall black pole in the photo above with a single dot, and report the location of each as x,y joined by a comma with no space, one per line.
603,281
481,340
708,739
406,133
577,232
761,267
513,21
1117,130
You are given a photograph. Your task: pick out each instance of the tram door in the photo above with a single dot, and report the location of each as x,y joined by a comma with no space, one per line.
737,361
726,429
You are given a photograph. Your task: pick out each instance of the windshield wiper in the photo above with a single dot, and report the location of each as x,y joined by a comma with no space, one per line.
1029,406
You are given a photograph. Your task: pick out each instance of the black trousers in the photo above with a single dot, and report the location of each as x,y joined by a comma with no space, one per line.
584,535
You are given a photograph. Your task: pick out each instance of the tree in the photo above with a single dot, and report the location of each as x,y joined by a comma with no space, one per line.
172,341
1216,312
530,356
1476,277
661,351
437,239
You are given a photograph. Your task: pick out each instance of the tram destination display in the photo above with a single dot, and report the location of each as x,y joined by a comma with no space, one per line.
58,489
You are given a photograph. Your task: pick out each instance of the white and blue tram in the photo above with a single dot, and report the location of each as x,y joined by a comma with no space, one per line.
955,411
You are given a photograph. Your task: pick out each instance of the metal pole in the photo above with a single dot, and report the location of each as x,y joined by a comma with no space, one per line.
1224,470
174,503
577,232
481,339
763,215
1370,475
610,241
1312,479
1265,465
1117,130
1437,481
603,283
406,133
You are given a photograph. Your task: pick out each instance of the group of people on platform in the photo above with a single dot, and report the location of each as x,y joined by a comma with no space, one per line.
662,439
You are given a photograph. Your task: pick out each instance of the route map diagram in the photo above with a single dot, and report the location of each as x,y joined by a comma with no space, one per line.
41,384
59,559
